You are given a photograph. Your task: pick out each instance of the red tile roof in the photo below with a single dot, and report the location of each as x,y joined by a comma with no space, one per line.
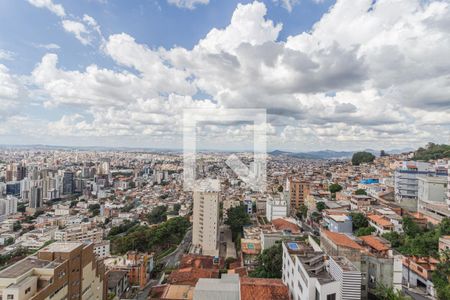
379,220
342,240
374,242
190,276
263,289
281,224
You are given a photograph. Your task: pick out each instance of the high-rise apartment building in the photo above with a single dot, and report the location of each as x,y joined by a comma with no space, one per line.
206,221
36,201
68,186
8,206
298,192
60,271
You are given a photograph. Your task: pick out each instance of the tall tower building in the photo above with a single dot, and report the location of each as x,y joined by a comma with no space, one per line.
36,197
298,192
68,183
206,221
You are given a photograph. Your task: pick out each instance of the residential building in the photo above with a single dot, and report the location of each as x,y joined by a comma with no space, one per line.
276,207
206,221
118,283
59,271
432,197
417,272
338,222
298,192
311,274
225,288
137,265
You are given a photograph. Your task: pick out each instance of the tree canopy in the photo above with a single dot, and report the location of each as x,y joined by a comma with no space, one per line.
360,192
237,218
152,239
334,188
157,215
270,262
320,206
359,220
432,151
362,157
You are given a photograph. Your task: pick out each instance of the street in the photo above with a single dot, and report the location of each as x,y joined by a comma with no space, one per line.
173,259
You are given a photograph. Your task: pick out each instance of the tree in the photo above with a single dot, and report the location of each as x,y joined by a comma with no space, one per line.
362,157
302,212
320,206
334,188
157,215
280,188
388,293
270,262
359,220
432,151
17,226
365,231
237,218
176,207
394,238
440,277
410,227
360,192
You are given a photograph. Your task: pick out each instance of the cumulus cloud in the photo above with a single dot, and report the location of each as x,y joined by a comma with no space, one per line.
386,83
189,4
57,9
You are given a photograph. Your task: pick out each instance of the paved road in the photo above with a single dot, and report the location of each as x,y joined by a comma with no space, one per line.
173,259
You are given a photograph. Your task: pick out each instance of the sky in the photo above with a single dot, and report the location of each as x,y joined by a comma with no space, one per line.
340,75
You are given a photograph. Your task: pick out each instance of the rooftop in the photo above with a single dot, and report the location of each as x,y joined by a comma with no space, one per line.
263,289
62,247
341,240
375,242
25,265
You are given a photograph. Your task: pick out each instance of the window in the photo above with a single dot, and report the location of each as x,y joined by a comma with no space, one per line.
10,297
300,286
331,296
317,294
28,290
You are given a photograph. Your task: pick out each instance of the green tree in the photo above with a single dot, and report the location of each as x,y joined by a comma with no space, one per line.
17,226
388,293
237,219
365,231
302,212
440,277
359,220
395,238
280,188
410,227
432,151
334,188
270,262
362,157
157,215
360,192
320,206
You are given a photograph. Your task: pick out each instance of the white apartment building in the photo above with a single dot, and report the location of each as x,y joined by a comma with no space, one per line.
311,274
206,221
276,207
80,233
432,197
8,206
102,249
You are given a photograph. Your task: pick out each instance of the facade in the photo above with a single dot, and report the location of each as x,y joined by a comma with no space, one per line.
60,271
80,233
406,185
311,274
298,192
339,223
137,265
432,197
8,206
206,221
276,208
